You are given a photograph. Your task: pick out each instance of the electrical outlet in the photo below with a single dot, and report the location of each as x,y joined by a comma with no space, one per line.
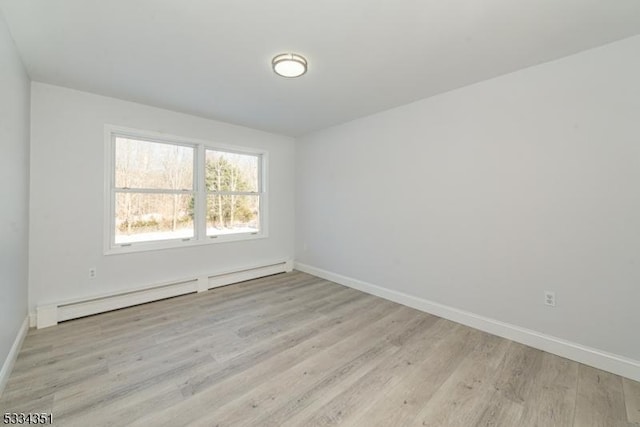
550,298
92,273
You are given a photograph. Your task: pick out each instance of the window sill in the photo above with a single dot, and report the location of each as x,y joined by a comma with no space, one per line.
178,243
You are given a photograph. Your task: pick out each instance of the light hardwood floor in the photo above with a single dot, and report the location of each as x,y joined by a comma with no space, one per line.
295,350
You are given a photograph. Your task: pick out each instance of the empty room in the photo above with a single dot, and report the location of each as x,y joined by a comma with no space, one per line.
290,213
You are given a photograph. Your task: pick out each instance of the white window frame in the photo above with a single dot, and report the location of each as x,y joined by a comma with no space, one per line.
199,190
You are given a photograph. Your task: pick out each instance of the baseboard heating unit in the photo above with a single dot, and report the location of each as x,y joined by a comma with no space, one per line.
52,313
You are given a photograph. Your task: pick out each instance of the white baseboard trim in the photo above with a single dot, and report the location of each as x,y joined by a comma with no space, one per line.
51,313
609,362
32,320
7,366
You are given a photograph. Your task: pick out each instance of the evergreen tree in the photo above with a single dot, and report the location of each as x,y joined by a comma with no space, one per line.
224,210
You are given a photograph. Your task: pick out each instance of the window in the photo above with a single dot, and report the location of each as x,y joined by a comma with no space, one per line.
233,198
170,192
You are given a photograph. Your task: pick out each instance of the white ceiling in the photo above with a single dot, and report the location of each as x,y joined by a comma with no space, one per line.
212,57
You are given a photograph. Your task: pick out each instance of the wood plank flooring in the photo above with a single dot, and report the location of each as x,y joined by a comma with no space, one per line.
296,350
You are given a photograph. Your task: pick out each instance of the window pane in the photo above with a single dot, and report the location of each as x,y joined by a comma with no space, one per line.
153,165
232,214
142,217
231,171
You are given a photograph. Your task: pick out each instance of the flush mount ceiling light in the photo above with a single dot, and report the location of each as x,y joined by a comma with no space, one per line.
289,65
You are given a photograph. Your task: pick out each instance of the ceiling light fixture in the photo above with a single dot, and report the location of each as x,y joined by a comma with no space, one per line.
289,65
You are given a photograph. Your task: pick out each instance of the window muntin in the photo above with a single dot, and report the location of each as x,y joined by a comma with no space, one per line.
168,193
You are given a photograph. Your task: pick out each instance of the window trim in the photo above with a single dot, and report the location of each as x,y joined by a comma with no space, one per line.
199,191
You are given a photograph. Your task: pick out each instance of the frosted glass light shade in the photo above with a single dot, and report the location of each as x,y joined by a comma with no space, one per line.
289,65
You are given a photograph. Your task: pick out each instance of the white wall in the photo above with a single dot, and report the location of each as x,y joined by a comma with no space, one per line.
66,217
14,178
484,197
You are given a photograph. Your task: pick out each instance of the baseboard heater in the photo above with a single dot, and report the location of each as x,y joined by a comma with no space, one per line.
52,313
